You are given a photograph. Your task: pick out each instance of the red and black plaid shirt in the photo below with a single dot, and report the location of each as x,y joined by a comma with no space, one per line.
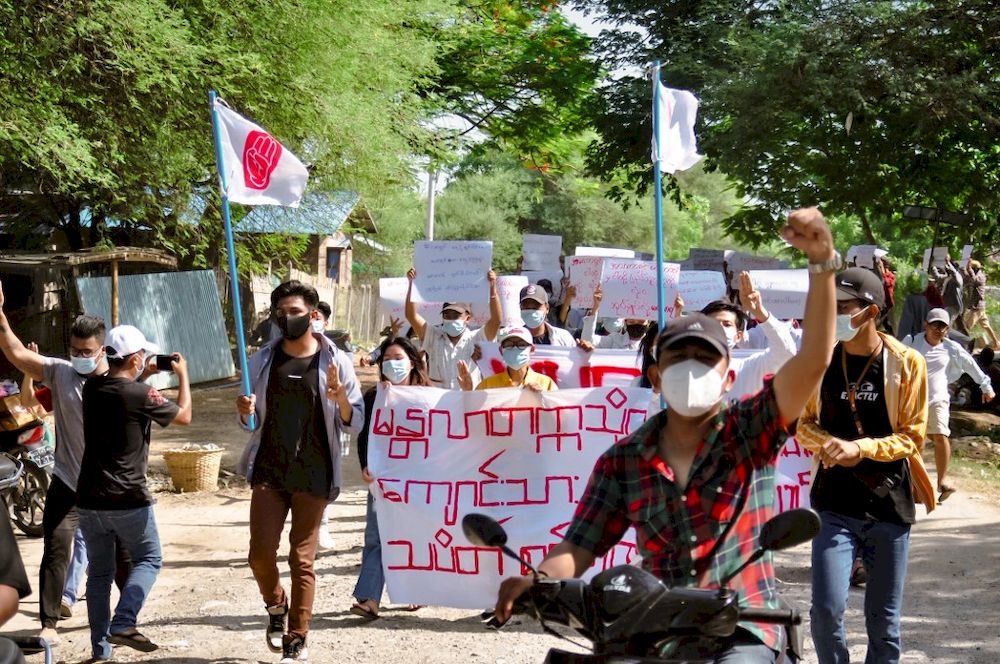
676,530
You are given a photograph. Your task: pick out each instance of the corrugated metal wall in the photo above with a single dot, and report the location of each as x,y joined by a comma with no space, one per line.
180,311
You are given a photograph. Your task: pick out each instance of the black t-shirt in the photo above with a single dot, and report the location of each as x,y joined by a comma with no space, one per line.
117,416
11,566
543,338
369,401
294,452
874,490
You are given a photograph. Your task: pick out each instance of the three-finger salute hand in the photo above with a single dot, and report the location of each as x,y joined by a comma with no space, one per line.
334,388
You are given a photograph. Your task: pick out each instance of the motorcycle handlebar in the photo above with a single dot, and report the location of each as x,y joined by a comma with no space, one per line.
776,616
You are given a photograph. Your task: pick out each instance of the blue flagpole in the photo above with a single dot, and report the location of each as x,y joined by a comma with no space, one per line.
227,222
657,189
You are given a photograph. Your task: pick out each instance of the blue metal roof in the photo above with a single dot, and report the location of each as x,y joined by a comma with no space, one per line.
318,214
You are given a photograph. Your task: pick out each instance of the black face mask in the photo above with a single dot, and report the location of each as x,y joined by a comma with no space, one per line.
293,327
635,330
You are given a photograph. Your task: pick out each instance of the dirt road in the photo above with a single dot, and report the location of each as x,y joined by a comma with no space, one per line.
205,609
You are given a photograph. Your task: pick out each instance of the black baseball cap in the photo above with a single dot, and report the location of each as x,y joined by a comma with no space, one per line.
860,283
693,326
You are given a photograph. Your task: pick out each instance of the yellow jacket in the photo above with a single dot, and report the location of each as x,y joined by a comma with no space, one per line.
905,372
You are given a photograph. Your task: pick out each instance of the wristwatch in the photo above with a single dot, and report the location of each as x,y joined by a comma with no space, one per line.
831,265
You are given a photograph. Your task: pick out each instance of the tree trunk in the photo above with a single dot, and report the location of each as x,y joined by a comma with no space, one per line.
867,228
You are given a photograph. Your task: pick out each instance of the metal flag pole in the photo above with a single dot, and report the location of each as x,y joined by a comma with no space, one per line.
657,189
227,222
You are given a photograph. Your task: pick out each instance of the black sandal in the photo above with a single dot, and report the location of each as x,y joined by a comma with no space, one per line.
134,640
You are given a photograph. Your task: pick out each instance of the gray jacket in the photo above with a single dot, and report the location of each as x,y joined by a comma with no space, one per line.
260,371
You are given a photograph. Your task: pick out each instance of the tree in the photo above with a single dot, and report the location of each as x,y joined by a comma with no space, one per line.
859,107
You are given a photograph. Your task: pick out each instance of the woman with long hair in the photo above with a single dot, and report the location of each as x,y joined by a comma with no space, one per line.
399,363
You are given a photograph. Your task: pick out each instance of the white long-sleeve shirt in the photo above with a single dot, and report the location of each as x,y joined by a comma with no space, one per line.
750,370
619,340
946,362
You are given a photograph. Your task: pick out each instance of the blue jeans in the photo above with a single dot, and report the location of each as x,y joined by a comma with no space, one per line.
883,548
136,531
371,580
77,568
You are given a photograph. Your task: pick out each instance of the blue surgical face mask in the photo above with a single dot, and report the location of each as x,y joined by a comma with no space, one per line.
515,358
845,326
396,371
453,328
612,324
532,317
85,365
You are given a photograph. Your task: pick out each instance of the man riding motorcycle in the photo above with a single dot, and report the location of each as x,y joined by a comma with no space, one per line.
697,481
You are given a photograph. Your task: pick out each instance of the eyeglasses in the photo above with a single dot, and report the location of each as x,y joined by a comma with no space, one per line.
517,346
84,352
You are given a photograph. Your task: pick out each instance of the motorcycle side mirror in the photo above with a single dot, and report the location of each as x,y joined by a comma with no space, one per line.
789,529
482,530
783,531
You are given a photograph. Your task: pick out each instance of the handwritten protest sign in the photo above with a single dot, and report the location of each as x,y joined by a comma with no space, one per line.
585,274
630,285
966,256
699,287
541,252
452,271
571,367
554,277
509,290
864,255
607,252
392,302
783,292
706,259
520,456
738,262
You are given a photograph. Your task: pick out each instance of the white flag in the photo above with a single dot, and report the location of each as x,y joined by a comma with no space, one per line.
259,170
676,147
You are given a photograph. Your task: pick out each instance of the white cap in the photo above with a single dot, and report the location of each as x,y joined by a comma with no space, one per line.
127,339
517,333
939,316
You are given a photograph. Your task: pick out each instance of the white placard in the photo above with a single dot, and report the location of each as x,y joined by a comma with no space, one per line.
737,262
966,256
509,290
520,456
541,252
700,287
452,271
392,302
585,274
940,257
783,292
630,285
864,255
554,277
606,252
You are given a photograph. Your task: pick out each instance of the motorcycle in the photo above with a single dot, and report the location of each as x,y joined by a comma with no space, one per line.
631,617
24,494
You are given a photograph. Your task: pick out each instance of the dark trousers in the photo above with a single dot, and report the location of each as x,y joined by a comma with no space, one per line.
59,523
10,653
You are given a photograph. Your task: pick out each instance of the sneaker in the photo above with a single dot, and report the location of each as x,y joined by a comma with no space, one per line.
294,650
65,609
325,539
277,616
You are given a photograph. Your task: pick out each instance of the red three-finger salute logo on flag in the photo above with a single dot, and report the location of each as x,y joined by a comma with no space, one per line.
261,154
259,170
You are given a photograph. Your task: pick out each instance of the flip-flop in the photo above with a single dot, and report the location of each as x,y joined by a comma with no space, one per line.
364,612
413,607
945,492
133,639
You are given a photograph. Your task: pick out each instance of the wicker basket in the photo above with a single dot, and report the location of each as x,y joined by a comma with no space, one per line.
194,470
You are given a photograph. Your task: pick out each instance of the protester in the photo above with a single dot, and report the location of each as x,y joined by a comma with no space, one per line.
947,361
570,317
305,394
975,314
749,372
65,379
986,361
14,587
888,278
391,331
113,499
516,347
866,426
325,540
951,284
264,331
628,337
916,306
452,343
534,301
400,363
678,478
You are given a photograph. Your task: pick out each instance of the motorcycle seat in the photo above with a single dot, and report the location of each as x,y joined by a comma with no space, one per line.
10,471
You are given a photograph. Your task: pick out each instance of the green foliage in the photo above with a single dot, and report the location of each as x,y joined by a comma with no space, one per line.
859,107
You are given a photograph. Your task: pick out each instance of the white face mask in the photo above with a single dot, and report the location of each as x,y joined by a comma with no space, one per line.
318,326
691,388
845,326
730,336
